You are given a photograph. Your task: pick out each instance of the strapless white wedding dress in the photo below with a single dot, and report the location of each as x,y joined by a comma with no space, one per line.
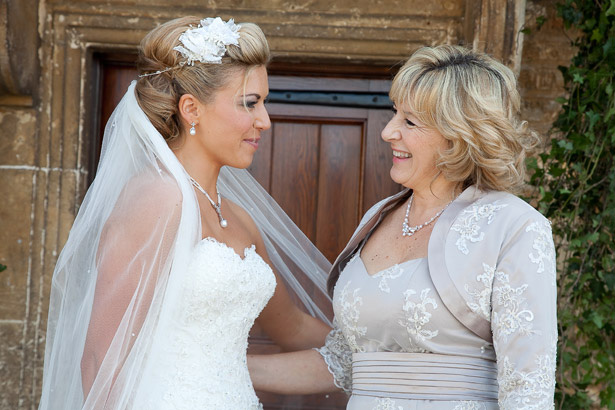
199,360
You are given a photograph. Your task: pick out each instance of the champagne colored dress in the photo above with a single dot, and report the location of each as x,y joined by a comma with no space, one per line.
472,326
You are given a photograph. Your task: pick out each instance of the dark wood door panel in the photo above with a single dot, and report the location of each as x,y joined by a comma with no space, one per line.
260,168
377,182
294,172
285,82
314,173
339,187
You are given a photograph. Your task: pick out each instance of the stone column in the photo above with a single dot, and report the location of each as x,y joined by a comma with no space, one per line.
19,169
19,41
494,27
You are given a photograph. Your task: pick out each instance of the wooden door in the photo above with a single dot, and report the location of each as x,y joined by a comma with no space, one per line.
322,160
324,164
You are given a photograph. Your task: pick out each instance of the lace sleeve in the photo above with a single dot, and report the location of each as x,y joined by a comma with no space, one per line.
338,356
524,319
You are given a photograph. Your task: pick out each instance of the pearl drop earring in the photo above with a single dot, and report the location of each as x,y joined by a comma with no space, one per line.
192,129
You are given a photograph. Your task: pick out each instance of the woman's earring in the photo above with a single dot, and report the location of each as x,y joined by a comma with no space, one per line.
192,129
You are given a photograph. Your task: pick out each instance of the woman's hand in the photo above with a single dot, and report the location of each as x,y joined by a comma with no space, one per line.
303,372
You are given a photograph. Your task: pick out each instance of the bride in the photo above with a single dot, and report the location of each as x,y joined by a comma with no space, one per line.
169,261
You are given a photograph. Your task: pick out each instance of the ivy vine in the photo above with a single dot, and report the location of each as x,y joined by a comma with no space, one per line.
575,180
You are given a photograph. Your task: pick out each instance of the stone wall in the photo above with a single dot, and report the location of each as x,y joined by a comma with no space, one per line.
18,177
46,94
544,49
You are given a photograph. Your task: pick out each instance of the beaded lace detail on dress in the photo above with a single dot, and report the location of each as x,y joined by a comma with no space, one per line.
202,355
338,357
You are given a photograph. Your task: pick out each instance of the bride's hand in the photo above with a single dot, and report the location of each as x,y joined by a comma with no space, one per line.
303,372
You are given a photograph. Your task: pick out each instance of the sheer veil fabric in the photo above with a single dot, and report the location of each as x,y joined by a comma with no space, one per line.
118,275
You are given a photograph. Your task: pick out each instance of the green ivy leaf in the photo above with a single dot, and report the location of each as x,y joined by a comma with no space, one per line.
594,117
567,145
561,100
589,24
540,21
578,78
609,47
597,319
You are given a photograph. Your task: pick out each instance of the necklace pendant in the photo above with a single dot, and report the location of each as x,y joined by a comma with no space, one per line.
215,206
408,230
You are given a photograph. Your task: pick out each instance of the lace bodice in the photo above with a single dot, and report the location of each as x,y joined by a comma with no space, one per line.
200,358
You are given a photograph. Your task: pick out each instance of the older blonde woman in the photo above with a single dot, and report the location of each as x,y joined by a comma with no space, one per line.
445,296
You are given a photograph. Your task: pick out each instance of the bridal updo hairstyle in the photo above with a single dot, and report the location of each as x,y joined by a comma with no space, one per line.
472,100
158,95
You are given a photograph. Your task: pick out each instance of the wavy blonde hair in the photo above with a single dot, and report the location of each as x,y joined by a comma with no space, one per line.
472,100
158,95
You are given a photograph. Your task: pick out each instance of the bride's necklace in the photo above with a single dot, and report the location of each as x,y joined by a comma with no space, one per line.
216,206
407,230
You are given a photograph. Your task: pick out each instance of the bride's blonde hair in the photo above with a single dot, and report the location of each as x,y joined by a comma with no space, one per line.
472,100
158,95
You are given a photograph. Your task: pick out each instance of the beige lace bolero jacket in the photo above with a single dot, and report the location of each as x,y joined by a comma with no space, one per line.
492,261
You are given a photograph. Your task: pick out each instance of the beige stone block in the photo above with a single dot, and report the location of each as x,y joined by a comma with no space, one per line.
27,397
551,51
71,128
44,259
47,220
224,8
69,206
348,49
541,80
355,32
540,114
11,361
17,136
16,215
55,106
43,230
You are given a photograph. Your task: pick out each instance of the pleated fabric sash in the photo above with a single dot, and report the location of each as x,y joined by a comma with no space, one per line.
423,376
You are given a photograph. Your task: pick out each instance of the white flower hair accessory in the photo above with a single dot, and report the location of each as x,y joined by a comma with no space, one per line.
205,43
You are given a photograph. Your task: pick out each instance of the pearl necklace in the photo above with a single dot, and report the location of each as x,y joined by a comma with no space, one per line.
216,207
407,230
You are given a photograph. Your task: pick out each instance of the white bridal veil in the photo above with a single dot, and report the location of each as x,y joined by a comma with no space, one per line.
119,272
